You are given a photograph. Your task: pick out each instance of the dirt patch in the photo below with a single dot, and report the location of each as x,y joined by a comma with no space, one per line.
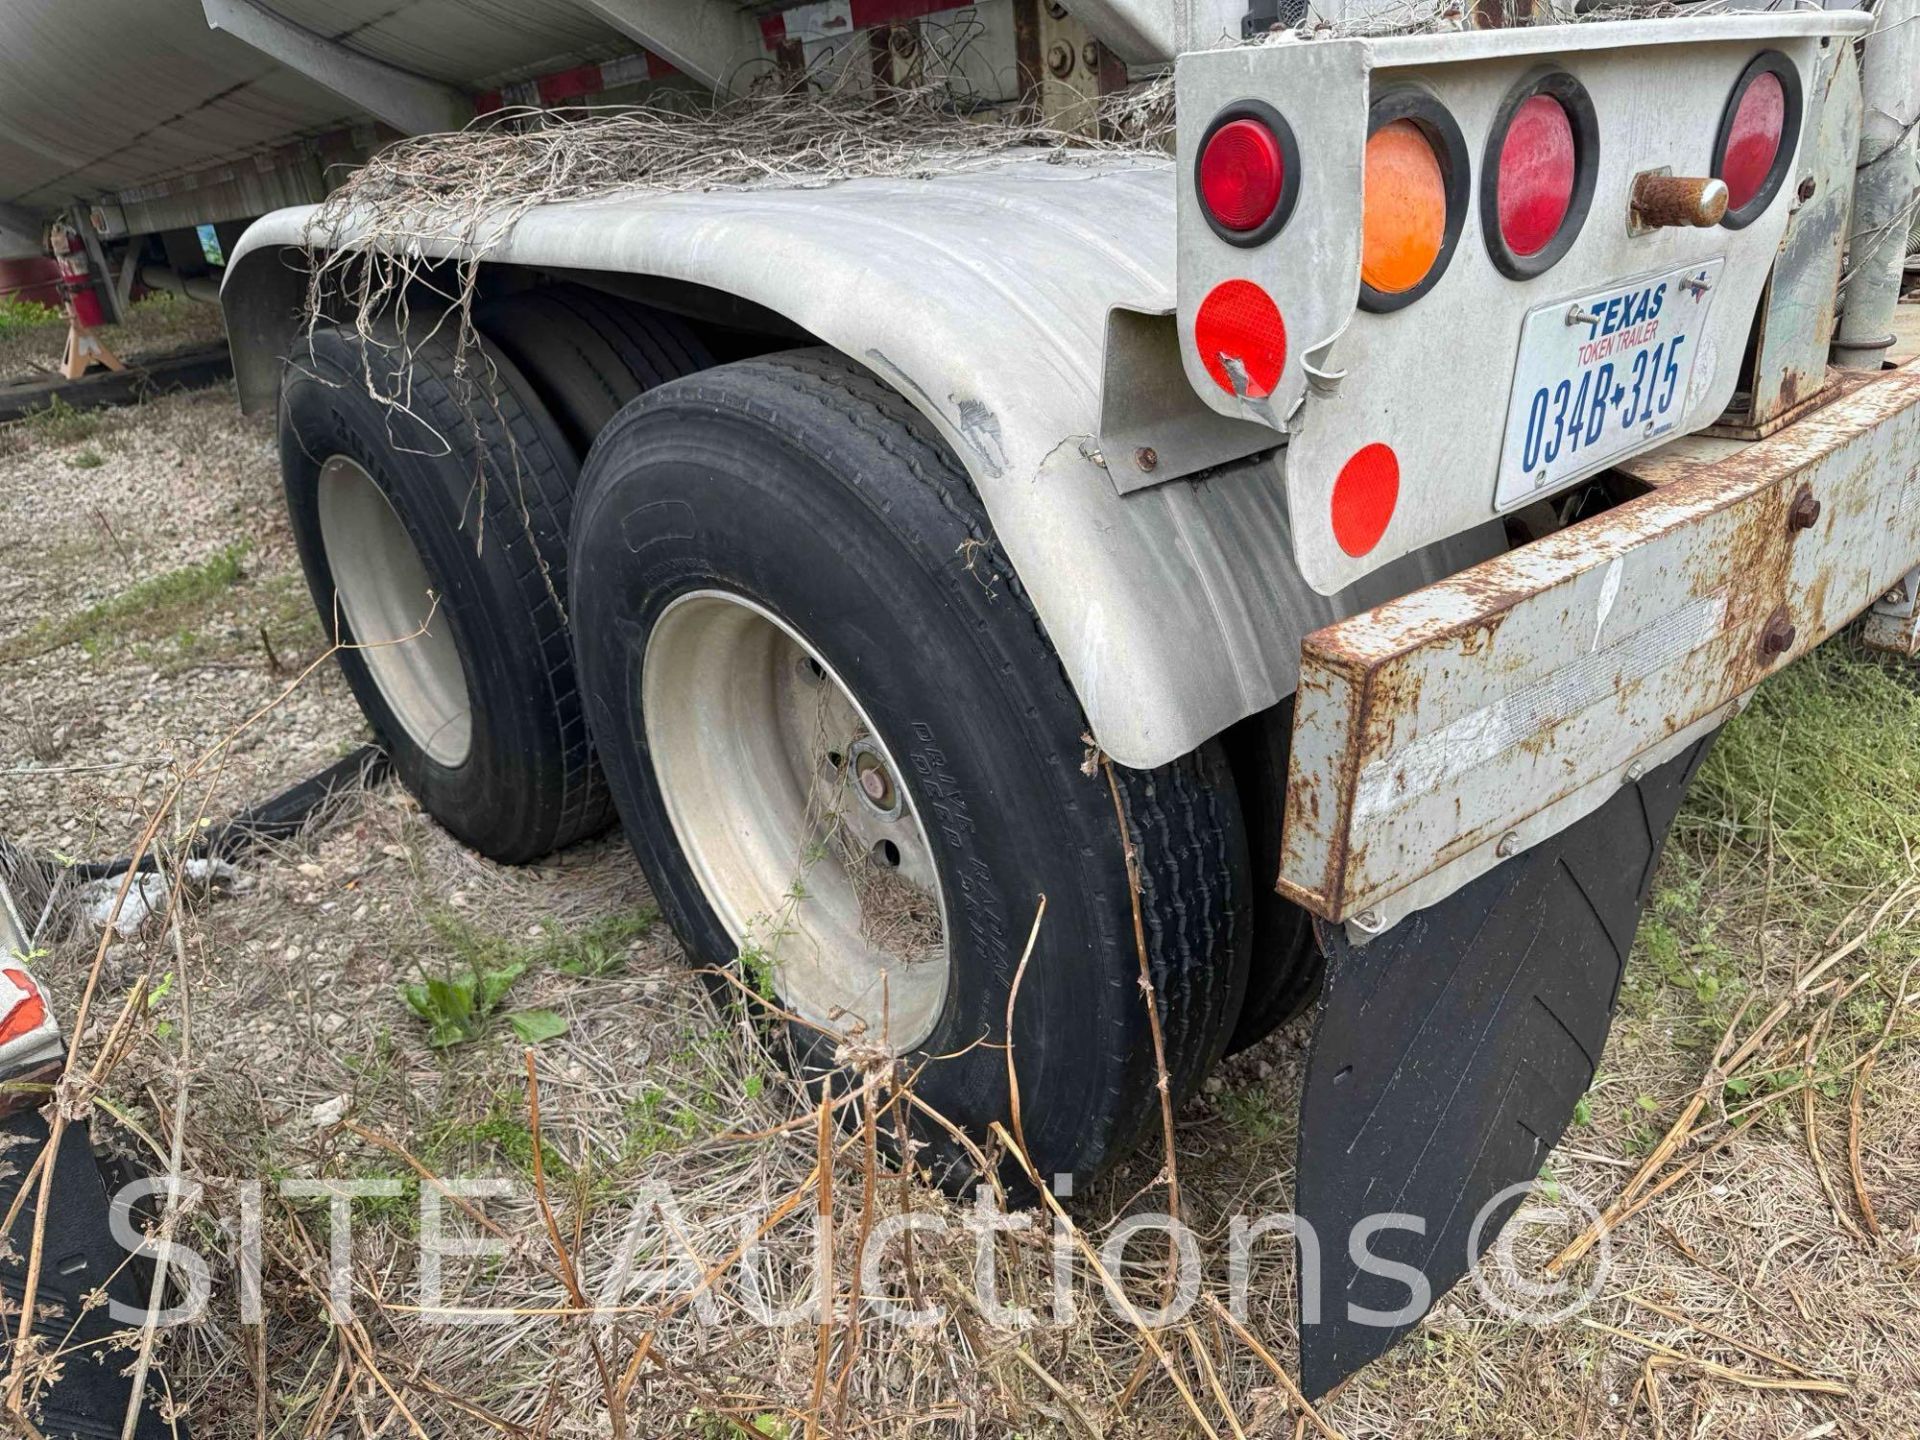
355,1008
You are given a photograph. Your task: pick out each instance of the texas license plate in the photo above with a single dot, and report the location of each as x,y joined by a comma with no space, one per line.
1599,376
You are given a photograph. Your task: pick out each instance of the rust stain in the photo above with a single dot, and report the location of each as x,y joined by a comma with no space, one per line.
1362,669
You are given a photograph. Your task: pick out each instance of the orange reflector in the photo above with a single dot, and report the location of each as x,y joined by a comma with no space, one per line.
29,1011
1364,495
1241,338
1405,222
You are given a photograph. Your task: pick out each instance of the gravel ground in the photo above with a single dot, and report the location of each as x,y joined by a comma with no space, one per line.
172,495
153,605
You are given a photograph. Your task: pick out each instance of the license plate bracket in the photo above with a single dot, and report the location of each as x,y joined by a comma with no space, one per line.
1601,375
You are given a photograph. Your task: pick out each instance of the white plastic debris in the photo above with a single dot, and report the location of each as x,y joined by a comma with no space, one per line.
328,1112
146,896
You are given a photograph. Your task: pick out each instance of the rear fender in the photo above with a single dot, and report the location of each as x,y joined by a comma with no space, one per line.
983,298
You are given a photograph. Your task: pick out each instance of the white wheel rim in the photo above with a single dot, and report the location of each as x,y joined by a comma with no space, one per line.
819,870
387,601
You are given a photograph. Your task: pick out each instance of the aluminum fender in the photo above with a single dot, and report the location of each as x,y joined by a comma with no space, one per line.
983,297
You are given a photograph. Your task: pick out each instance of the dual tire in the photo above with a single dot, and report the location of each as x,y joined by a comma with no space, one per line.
838,739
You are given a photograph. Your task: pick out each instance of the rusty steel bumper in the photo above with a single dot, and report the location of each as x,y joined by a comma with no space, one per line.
1441,733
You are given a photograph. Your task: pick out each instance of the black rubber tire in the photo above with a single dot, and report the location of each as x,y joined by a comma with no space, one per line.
801,482
588,353
497,558
1288,964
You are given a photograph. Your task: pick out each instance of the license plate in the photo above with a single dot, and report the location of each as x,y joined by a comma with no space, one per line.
1601,375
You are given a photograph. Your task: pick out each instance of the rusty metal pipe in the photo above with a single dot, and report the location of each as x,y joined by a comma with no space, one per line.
1663,201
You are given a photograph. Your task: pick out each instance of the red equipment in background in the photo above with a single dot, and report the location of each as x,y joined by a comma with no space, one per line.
84,310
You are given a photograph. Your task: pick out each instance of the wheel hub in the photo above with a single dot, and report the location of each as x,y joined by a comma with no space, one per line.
387,599
786,803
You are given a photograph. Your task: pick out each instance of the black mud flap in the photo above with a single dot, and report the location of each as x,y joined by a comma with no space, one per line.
1449,1056
87,1397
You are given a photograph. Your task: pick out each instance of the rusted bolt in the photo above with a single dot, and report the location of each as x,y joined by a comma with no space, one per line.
1663,200
1509,844
1777,636
1060,58
1896,596
1090,54
1805,192
1147,458
1804,511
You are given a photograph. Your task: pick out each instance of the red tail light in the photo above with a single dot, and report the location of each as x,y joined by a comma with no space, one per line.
1757,136
1247,173
1241,173
1542,156
1536,175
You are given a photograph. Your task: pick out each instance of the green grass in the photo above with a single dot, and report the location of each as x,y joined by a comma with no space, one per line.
18,316
1829,753
503,1134
57,423
596,948
460,997
157,606
1799,824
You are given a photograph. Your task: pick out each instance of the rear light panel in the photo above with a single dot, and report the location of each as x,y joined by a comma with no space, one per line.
1358,336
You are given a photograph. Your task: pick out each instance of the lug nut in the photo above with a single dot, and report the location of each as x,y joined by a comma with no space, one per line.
1509,844
1804,511
1147,458
1060,59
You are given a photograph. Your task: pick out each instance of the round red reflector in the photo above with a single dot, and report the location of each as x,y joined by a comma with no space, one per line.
1535,184
1753,139
1242,172
1241,338
1364,494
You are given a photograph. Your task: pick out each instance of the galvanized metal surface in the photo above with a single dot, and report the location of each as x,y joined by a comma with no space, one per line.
709,41
1884,190
1893,624
984,299
1433,379
1151,422
413,104
97,96
1512,699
